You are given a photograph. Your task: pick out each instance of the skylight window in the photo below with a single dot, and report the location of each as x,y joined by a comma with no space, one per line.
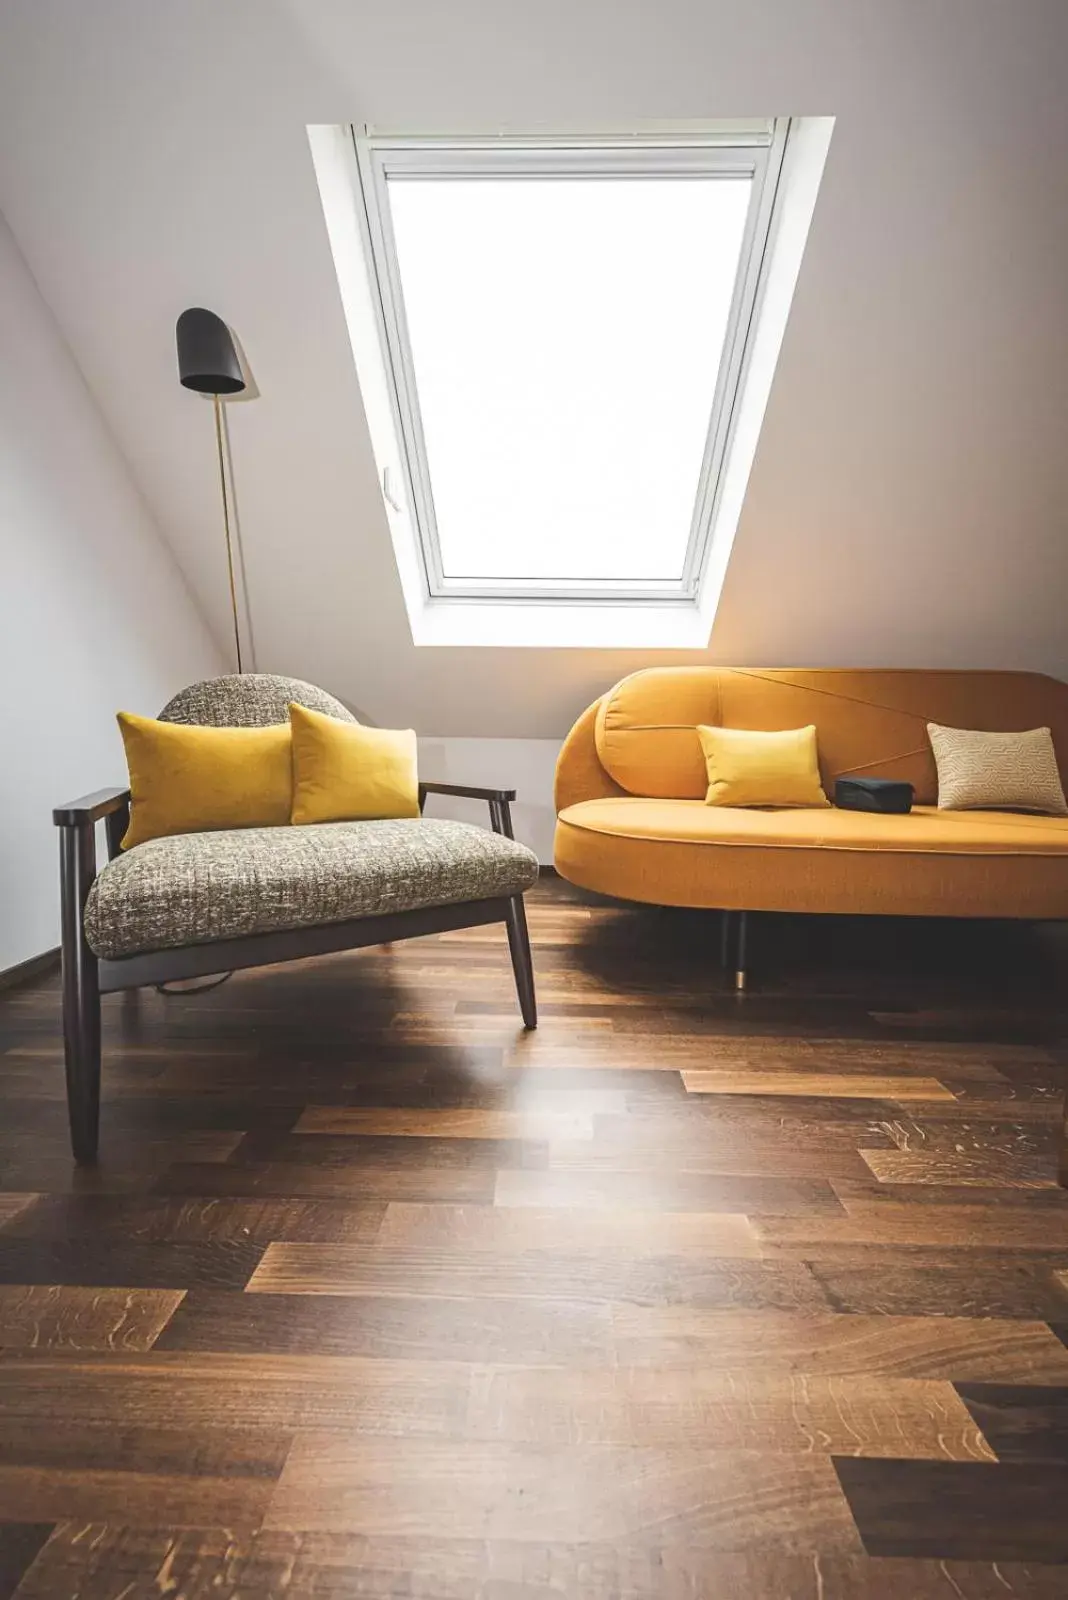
565,325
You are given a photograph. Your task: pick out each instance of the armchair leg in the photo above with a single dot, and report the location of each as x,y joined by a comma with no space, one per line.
81,995
522,966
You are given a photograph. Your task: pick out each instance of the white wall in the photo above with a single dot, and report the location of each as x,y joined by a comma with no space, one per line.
910,492
525,765
94,614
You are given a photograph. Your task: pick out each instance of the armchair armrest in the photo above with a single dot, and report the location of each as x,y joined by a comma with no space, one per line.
111,804
498,800
467,791
90,808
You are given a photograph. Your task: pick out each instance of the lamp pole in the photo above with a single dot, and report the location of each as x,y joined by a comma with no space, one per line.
216,402
208,364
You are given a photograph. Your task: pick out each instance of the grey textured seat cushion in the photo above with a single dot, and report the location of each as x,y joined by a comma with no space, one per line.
197,887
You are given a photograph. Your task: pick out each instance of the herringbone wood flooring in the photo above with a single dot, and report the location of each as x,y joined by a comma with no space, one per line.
683,1296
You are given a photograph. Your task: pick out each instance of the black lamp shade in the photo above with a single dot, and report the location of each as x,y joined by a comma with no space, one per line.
207,359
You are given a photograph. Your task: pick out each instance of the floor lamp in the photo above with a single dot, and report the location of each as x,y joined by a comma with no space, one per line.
208,363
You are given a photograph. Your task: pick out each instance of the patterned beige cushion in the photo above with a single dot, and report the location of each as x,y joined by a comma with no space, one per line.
249,700
997,771
203,886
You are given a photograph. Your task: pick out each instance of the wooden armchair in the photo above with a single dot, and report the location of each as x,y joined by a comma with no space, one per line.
185,906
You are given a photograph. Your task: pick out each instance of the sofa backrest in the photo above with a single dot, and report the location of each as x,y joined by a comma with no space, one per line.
867,721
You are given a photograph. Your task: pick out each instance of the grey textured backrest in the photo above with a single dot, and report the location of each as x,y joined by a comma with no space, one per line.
249,700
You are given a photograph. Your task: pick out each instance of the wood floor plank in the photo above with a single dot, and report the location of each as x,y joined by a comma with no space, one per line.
709,1411
167,1398
399,1077
707,1231
252,1390
867,1194
54,1317
276,1181
726,1157
130,1497
389,1153
20,1543
955,1348
646,1280
464,1123
147,1451
970,1133
337,1482
923,1056
978,1108
1005,1512
986,1169
514,1231
412,1328
987,1286
958,1227
100,1562
846,1086
678,1123
765,1127
98,1263
1012,1032
203,1220
13,1205
860,1197
152,1117
1021,1422
650,1190
130,1161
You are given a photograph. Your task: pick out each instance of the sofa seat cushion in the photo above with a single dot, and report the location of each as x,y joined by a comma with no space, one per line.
199,887
923,829
930,862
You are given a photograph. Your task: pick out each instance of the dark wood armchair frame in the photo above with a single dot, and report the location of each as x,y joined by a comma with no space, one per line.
86,977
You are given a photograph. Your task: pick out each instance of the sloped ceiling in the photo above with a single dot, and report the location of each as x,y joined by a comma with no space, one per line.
909,500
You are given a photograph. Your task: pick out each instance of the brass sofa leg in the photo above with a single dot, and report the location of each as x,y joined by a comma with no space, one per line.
741,974
81,993
522,965
726,938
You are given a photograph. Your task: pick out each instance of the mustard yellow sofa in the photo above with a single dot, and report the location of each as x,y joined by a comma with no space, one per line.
631,818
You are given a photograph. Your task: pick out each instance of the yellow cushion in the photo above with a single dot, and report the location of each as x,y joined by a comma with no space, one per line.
762,769
344,772
189,779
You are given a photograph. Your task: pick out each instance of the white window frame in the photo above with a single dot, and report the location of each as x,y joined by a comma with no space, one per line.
753,149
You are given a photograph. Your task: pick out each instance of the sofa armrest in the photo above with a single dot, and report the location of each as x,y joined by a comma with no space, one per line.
579,773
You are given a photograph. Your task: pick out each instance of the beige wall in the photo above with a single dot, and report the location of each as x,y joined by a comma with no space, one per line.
908,502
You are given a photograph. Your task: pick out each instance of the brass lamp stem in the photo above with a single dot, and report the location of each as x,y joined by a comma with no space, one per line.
226,525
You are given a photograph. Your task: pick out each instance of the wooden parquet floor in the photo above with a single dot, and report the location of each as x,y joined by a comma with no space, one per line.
683,1297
